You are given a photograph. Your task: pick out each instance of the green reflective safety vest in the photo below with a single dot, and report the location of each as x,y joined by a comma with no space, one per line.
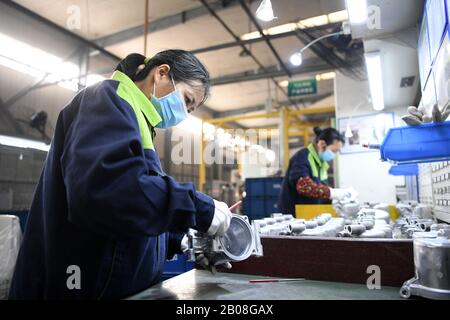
319,167
145,111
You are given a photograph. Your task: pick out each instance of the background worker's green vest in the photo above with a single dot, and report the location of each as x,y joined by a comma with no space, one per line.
319,168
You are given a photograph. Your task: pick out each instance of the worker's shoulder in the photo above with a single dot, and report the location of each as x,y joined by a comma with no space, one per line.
302,154
101,95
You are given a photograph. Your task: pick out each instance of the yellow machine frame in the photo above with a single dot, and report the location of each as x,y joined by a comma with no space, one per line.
297,129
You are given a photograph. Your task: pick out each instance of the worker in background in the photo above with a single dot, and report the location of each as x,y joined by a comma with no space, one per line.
105,217
306,178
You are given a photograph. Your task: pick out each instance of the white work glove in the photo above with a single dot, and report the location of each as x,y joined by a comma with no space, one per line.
339,194
203,261
184,243
353,194
221,220
342,194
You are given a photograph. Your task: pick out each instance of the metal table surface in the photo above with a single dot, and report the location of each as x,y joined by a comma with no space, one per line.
202,285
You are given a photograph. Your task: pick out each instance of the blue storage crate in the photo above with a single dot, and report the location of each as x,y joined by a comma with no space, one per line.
254,187
415,144
259,187
405,170
271,206
261,207
273,186
254,206
178,265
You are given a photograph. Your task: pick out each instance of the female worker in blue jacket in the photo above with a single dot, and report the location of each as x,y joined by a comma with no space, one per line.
306,180
105,217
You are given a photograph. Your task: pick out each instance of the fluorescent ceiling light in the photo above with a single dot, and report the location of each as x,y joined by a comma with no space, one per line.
373,65
357,11
284,83
338,16
326,76
22,57
265,11
287,27
314,22
23,143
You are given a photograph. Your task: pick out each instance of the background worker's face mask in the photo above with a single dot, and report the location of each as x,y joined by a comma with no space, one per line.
171,107
327,155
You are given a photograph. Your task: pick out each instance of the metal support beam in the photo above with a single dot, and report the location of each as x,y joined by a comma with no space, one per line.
53,25
163,23
266,39
256,40
262,107
242,117
309,66
248,52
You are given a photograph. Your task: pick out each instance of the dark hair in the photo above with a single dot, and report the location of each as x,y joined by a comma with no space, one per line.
329,135
184,67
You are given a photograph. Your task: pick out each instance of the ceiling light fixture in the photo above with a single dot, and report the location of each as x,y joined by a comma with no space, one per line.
297,58
357,11
265,11
23,143
374,73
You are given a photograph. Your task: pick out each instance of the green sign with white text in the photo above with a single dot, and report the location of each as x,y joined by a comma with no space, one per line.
302,87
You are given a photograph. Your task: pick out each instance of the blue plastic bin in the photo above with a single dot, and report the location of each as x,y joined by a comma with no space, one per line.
415,144
258,187
254,187
404,170
271,206
273,186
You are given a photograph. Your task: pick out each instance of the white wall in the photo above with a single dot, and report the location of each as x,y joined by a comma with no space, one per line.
363,171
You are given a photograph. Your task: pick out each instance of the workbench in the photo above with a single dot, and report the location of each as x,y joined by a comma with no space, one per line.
202,285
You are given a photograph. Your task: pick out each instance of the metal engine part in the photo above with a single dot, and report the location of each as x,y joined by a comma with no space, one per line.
241,241
432,265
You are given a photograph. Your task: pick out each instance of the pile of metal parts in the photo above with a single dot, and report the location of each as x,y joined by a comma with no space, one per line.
414,218
281,225
369,220
241,241
432,264
370,223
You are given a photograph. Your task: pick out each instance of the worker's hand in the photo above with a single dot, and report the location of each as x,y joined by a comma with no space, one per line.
204,262
340,194
221,220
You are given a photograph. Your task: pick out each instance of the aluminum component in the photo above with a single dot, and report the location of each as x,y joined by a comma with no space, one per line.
373,234
311,224
432,265
297,228
355,229
270,221
261,223
241,241
368,224
320,221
